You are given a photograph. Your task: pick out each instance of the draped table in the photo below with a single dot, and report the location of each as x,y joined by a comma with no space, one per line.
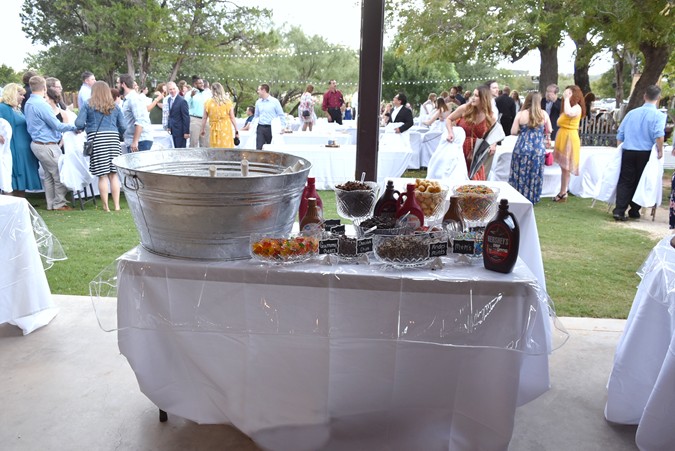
333,166
25,298
641,387
312,356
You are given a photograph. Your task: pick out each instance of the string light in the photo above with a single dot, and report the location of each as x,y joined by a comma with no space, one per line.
282,53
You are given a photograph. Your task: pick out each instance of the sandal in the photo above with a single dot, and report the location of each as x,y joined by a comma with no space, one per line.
560,198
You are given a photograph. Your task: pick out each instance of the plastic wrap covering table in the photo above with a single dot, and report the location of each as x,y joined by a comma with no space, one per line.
641,387
27,249
313,356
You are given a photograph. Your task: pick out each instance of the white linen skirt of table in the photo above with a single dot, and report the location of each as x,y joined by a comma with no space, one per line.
25,298
310,357
641,387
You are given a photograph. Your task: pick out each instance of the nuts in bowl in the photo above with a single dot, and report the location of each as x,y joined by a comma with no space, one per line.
431,196
355,200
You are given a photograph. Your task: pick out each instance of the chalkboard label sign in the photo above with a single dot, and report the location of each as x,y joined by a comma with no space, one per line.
328,246
328,223
463,247
363,246
438,249
339,229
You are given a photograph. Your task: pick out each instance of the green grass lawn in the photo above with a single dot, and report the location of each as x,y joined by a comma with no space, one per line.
589,261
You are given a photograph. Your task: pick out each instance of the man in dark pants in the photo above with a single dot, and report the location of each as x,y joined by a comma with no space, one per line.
266,109
332,101
640,130
179,116
507,108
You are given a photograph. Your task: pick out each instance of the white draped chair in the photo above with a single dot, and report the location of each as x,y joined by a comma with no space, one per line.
5,157
447,162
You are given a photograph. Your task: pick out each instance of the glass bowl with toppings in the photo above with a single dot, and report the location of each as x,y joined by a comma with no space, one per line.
385,226
356,200
277,249
478,202
414,249
431,196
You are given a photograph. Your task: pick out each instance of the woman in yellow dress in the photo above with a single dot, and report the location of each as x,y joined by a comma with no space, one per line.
219,111
567,142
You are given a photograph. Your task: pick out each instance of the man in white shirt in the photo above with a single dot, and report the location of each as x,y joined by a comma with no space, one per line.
401,113
88,81
266,109
196,100
138,135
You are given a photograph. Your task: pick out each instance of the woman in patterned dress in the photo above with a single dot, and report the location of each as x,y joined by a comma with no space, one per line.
475,117
219,111
567,141
527,162
104,122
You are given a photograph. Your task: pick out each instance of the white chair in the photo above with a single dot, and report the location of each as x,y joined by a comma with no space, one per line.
5,157
448,163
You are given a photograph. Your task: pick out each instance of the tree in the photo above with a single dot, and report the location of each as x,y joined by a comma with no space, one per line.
8,75
481,32
644,26
113,36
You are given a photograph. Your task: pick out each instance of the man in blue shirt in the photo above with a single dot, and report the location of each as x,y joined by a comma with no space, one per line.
266,109
640,130
45,132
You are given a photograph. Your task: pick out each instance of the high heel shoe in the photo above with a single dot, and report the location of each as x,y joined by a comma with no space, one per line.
560,198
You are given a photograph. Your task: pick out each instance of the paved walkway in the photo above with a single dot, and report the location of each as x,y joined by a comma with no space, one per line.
66,386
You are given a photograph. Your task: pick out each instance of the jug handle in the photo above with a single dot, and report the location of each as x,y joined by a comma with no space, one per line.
137,183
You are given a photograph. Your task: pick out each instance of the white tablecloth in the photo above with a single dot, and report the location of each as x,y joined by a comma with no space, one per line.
332,166
25,298
530,250
311,138
161,139
641,387
309,357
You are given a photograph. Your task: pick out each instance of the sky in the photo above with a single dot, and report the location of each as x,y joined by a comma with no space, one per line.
346,16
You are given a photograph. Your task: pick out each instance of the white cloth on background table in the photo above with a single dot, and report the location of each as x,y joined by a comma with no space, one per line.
641,387
6,157
73,165
311,138
333,166
309,356
25,298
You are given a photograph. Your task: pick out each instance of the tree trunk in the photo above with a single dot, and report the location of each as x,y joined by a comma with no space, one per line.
131,70
656,58
548,69
619,65
581,62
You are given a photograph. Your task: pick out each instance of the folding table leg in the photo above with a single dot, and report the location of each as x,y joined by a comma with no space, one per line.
163,416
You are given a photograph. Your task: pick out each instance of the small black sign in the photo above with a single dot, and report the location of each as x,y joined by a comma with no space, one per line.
328,223
328,247
339,229
364,245
463,247
438,249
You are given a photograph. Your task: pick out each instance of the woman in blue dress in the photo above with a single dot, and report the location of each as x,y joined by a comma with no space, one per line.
25,174
532,125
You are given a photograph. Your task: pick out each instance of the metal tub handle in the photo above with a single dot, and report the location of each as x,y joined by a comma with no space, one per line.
137,184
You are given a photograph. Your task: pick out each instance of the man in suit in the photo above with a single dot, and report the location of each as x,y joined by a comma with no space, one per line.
552,105
179,116
507,108
401,113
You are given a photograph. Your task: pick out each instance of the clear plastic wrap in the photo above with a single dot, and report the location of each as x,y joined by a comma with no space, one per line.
458,305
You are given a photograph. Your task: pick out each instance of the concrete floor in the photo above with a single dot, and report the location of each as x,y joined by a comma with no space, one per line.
66,387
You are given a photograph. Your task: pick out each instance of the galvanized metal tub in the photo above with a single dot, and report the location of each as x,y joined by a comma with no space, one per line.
182,211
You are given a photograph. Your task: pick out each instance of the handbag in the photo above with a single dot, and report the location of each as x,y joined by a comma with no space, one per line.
548,159
88,148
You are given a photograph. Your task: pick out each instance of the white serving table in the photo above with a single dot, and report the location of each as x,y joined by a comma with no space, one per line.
312,138
310,356
332,166
25,298
161,139
529,250
641,387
